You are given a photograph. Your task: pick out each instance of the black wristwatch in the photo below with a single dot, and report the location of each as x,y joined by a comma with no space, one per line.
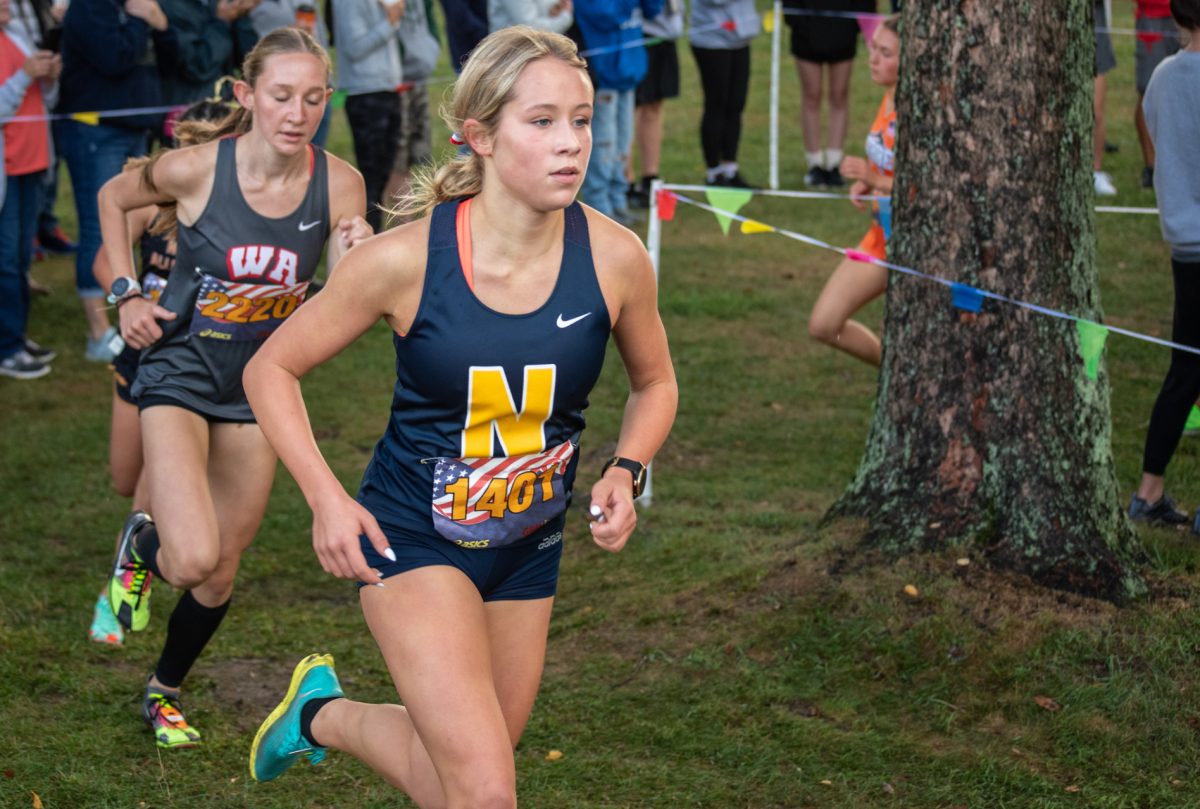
123,287
635,468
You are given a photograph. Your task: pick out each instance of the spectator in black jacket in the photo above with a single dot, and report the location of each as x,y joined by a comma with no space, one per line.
112,52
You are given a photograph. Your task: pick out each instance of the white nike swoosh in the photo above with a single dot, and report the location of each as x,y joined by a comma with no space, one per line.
309,225
562,324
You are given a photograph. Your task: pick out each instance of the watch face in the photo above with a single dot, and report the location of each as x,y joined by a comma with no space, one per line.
120,287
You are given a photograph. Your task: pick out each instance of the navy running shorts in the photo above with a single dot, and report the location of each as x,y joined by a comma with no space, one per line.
511,573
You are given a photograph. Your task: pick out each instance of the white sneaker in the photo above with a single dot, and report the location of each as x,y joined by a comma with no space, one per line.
1103,184
22,366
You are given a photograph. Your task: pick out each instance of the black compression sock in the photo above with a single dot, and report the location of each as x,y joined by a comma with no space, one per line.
188,631
308,712
145,544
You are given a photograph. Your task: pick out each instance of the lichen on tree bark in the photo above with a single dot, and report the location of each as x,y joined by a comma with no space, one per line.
987,432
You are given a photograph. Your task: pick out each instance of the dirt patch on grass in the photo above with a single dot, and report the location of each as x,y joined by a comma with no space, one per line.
248,687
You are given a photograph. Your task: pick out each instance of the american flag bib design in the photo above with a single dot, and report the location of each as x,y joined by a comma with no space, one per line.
234,311
493,502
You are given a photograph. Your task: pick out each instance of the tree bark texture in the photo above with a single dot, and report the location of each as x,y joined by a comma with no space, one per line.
987,430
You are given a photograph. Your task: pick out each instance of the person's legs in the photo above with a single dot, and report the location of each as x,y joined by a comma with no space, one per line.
839,112
738,89
125,447
604,150
18,223
374,124
617,183
1180,387
810,109
94,155
649,129
852,285
713,65
467,673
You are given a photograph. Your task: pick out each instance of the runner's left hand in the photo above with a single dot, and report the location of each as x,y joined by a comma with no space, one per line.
352,231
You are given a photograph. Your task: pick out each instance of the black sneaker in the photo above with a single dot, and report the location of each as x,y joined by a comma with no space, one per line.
39,352
1162,513
816,177
22,366
717,182
638,196
833,178
736,181
1148,177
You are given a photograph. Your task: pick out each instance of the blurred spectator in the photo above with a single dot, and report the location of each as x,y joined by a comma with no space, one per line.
366,33
213,37
612,33
28,83
466,25
824,48
720,33
271,14
111,53
546,15
660,83
419,51
1106,60
1157,38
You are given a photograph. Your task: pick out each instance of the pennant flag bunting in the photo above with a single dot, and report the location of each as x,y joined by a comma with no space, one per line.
89,118
965,297
750,226
729,25
859,255
885,216
1148,38
728,199
868,23
1091,345
768,21
666,205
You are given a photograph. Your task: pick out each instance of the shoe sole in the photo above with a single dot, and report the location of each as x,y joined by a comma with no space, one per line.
302,668
122,611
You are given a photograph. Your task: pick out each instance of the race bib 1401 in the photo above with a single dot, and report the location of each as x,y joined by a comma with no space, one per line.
493,502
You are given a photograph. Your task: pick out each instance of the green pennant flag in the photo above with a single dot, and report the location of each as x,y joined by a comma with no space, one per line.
338,99
1091,345
727,199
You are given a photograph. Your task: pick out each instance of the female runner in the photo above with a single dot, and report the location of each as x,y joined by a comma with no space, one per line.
254,209
854,283
502,301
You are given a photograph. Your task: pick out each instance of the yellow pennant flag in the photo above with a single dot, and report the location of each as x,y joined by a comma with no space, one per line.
89,118
750,226
768,21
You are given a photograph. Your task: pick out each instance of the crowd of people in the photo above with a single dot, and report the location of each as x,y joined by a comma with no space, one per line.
226,191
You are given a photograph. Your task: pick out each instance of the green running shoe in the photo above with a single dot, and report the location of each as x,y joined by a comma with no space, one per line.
1192,426
279,742
104,628
129,586
164,715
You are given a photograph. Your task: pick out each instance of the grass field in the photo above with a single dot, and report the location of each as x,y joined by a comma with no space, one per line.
735,655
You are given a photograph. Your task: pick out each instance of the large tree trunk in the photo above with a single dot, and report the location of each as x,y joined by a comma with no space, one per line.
987,431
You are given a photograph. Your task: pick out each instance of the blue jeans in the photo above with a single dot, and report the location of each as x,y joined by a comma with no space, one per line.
604,186
94,155
18,224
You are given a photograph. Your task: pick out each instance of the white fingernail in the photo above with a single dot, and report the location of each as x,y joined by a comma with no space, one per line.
390,554
378,584
596,511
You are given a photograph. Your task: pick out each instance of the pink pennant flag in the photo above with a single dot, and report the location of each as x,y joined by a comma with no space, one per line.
868,23
858,255
666,205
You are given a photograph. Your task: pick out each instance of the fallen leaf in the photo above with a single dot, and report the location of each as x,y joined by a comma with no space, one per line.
825,783
37,802
1176,782
888,788
9,774
777,407
1071,788
962,561
911,591
1047,703
233,780
554,755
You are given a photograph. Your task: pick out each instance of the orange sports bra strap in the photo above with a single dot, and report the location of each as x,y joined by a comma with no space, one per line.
462,228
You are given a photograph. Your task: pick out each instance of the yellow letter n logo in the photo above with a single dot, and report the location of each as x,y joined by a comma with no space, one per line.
492,412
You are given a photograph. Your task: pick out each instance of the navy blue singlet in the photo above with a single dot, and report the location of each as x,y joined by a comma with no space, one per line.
488,407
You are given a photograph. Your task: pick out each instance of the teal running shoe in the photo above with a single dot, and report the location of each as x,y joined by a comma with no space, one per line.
104,628
129,584
1192,426
279,743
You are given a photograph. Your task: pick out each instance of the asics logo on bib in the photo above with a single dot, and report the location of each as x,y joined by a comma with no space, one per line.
562,324
277,265
308,225
550,541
